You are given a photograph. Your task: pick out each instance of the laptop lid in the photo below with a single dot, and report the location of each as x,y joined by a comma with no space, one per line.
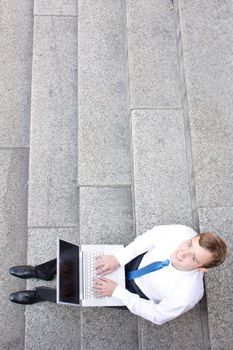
68,274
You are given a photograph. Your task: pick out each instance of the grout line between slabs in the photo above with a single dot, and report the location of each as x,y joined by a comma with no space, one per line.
192,186
131,150
13,148
25,313
72,16
156,108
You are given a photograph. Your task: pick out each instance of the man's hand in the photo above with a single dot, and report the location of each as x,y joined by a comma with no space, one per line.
104,286
106,264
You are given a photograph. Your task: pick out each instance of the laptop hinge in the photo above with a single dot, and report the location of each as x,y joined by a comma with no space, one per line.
81,285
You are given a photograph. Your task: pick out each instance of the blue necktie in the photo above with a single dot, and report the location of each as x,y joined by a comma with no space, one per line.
157,265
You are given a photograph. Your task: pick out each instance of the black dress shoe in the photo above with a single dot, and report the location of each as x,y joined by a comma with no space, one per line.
25,297
24,271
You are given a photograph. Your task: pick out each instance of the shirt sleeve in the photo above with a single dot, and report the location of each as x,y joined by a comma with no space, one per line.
159,314
141,244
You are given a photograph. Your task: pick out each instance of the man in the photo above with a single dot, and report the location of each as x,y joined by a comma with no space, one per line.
159,295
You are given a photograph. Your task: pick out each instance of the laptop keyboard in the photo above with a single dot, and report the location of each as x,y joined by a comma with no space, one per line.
90,273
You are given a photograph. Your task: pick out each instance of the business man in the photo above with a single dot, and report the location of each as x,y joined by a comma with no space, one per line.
164,272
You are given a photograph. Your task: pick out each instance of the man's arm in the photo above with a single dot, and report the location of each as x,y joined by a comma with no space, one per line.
141,244
159,314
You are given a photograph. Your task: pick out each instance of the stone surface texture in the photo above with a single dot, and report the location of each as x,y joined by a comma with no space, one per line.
161,181
16,32
153,62
53,146
167,336
161,190
207,49
52,326
103,136
106,215
13,243
120,331
55,7
219,281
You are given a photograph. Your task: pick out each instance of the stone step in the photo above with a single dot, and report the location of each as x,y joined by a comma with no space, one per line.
103,136
206,36
53,135
55,7
152,52
161,187
15,82
219,286
106,218
16,20
104,172
53,194
13,244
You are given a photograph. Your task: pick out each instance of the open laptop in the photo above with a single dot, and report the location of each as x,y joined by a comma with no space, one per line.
76,271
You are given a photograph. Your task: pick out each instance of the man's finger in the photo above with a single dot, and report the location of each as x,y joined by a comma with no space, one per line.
97,287
104,279
104,272
98,264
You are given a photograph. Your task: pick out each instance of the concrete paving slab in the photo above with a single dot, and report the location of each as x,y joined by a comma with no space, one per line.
161,184
13,243
153,61
161,179
108,329
206,29
16,18
55,7
219,285
103,141
12,320
106,217
171,335
53,142
48,324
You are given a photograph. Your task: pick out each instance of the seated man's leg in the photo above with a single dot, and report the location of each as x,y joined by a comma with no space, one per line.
36,295
47,294
45,271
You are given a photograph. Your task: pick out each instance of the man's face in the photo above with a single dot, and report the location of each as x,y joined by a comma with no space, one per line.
190,255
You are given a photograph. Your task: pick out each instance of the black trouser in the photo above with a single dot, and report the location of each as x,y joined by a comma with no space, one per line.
45,271
49,269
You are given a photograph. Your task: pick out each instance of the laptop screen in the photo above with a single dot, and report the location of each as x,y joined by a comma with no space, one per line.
68,273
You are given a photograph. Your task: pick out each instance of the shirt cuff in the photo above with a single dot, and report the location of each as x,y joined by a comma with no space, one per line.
123,294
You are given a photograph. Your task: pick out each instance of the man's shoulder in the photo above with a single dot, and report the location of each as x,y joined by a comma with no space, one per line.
188,292
183,231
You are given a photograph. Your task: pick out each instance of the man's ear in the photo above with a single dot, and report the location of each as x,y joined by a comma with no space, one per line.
202,269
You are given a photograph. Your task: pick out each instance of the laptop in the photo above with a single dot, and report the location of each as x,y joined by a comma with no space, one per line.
76,271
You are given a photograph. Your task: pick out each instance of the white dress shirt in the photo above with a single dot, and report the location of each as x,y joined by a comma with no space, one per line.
171,291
